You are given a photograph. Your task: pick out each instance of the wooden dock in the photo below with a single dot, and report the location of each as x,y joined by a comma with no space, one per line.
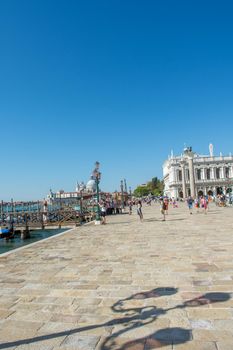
24,222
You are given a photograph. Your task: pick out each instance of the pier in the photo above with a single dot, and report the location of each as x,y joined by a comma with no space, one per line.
123,286
23,217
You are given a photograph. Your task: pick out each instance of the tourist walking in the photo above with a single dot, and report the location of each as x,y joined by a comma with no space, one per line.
139,210
204,204
196,204
130,207
166,204
163,208
190,204
103,209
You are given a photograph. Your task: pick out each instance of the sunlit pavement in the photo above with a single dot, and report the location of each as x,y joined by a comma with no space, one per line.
126,285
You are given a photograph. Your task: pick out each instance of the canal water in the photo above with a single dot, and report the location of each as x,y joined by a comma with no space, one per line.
36,235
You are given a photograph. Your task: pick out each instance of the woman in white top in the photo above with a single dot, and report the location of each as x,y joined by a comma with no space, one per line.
139,210
103,210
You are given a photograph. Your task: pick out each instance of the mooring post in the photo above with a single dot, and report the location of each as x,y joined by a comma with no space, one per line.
26,226
2,211
42,221
76,218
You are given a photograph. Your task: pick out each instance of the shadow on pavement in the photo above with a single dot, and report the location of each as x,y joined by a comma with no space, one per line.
156,340
160,219
136,318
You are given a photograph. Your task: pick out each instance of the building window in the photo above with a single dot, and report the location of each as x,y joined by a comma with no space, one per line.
198,174
179,175
208,174
227,169
217,173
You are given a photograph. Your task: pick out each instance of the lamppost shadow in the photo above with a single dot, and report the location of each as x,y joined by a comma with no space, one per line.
136,318
142,316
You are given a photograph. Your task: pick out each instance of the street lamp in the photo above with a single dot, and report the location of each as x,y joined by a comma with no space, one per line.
97,176
130,193
125,185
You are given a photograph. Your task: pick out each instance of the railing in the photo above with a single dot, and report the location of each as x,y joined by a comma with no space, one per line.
48,216
205,182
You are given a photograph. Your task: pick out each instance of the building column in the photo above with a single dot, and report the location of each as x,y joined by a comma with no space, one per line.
214,190
224,172
182,163
212,173
231,171
221,172
215,173
203,173
191,176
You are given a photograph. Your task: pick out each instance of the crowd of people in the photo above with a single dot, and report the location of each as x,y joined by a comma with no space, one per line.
194,205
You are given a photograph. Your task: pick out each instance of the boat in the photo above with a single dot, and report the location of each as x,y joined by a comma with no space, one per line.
5,232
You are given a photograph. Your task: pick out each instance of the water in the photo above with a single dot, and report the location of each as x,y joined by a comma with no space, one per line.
36,235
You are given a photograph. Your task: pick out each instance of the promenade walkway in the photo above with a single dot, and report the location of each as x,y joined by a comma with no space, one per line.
126,285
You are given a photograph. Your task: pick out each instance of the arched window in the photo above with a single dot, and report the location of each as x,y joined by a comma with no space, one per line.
227,169
208,174
217,173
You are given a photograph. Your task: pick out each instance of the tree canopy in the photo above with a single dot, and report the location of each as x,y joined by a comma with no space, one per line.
154,187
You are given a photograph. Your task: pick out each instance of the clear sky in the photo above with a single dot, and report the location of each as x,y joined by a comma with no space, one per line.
121,82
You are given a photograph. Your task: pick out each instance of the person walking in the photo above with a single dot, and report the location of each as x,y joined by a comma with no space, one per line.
130,207
139,210
196,204
163,208
204,204
103,209
190,204
166,205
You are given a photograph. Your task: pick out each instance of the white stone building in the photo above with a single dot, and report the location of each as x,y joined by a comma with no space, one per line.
197,175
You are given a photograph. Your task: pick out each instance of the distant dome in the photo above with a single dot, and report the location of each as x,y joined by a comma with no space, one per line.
91,186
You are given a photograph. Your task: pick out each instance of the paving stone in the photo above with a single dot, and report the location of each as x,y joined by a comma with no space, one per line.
225,325
35,347
196,345
224,345
4,313
64,318
12,324
81,342
212,335
209,314
201,324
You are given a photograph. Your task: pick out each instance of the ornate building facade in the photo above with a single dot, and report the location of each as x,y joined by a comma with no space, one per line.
197,175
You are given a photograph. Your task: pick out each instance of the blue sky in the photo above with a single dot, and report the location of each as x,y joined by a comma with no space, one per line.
122,82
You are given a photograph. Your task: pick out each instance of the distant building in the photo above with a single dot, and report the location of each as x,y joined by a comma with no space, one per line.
82,190
208,175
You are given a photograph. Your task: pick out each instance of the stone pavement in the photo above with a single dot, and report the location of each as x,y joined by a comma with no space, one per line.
126,285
